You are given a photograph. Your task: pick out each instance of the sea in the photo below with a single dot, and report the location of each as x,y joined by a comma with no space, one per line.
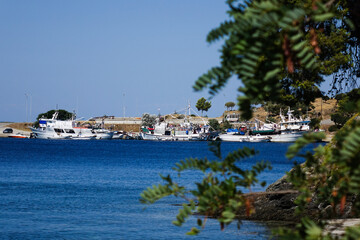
90,189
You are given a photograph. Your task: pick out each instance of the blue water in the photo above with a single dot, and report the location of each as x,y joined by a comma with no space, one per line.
60,189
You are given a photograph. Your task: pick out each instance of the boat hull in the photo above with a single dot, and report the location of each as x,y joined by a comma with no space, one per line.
286,137
107,135
243,138
18,136
155,137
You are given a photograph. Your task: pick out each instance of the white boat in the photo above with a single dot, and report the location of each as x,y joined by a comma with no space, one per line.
292,123
287,130
103,133
84,137
186,131
291,128
119,135
162,132
286,136
243,138
65,129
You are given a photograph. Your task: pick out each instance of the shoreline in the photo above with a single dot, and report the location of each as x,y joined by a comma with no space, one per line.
27,132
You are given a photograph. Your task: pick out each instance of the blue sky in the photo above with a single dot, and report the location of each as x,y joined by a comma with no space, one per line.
98,56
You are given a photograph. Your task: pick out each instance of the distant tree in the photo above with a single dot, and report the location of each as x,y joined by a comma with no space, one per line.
62,115
226,125
299,108
273,109
203,105
315,123
148,120
346,106
271,119
214,124
229,105
333,128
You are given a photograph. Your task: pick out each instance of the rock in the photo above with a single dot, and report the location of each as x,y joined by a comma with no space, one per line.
280,185
336,227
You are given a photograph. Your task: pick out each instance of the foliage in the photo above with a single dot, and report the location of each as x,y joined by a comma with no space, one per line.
330,176
203,105
273,109
346,78
226,125
62,115
218,194
299,108
333,128
315,123
148,120
339,119
271,119
229,105
289,65
214,124
281,50
346,106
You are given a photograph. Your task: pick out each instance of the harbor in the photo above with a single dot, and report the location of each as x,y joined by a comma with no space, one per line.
183,125
165,129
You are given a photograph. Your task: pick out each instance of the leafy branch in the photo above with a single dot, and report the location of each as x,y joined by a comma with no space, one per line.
218,194
258,63
331,177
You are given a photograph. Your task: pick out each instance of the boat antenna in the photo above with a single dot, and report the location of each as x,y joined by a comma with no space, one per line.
74,115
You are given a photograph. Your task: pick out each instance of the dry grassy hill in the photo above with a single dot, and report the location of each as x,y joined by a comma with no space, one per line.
324,108
20,126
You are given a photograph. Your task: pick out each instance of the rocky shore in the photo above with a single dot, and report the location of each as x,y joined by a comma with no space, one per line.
276,204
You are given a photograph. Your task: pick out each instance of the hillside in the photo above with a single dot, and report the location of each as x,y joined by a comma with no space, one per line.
324,108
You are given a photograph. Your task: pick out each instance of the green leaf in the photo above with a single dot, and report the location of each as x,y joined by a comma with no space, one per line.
297,37
249,61
323,17
228,215
302,53
307,58
272,74
299,46
177,223
193,231
311,64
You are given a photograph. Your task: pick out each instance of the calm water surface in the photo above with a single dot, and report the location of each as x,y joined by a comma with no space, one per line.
59,189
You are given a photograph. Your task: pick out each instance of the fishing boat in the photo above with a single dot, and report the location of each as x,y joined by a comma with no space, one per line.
186,131
287,130
101,133
292,123
243,138
291,128
286,136
163,132
119,135
246,134
66,129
